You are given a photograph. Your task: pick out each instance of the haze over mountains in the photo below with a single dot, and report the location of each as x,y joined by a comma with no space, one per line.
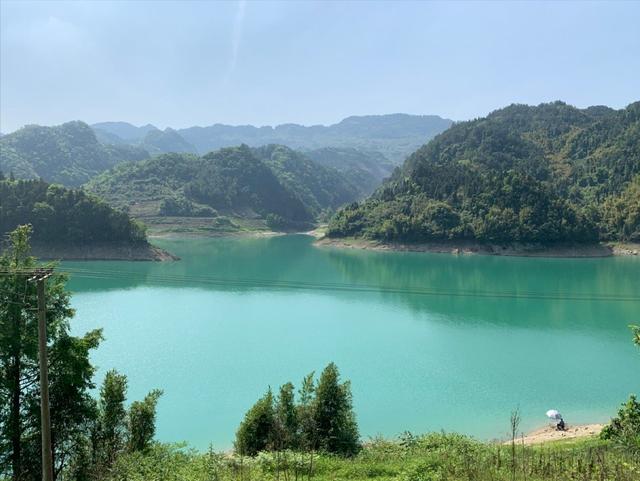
395,135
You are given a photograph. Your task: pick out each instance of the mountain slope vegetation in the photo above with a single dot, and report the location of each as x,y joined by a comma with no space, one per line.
68,154
318,187
272,183
168,140
544,174
365,170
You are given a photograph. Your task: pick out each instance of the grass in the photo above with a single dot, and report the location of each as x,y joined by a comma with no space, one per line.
432,457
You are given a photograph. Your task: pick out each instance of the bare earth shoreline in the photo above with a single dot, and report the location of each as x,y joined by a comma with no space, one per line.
100,252
468,247
549,433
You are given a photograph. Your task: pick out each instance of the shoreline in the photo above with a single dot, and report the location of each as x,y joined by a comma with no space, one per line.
103,252
476,248
549,434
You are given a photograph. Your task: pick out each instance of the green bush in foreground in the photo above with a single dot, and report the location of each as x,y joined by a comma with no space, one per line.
432,457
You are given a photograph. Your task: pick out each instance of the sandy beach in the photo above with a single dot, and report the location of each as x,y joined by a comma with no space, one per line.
549,433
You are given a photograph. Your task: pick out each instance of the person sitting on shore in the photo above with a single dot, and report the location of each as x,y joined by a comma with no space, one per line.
560,426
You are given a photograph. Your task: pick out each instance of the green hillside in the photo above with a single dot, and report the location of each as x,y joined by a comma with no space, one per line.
318,187
551,173
271,183
68,154
168,140
365,170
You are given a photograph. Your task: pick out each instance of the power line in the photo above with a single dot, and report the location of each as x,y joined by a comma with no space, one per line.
249,283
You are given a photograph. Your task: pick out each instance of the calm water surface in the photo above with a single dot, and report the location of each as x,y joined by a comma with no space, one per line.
429,341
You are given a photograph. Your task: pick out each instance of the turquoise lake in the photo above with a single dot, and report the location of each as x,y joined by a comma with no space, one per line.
429,341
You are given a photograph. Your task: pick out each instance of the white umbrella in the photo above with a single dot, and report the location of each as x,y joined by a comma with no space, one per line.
553,414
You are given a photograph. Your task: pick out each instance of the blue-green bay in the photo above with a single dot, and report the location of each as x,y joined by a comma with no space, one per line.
429,341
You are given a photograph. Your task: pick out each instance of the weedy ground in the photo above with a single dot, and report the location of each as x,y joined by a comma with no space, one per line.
432,457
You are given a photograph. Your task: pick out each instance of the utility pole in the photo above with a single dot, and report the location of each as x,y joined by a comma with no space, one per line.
39,277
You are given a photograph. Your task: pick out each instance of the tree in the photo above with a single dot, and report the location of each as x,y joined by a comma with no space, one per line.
72,409
335,422
110,430
625,428
142,421
117,430
286,418
255,433
305,411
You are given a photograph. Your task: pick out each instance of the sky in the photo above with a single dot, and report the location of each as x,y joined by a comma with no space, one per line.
187,63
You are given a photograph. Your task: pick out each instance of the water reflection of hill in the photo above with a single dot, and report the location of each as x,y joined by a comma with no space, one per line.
554,293
504,290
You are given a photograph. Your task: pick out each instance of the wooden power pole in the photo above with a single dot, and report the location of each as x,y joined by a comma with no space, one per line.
39,277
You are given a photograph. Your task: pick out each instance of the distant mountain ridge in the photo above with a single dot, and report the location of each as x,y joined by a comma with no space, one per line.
393,135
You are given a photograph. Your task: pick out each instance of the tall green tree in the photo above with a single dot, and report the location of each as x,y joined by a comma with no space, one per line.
110,431
335,422
256,431
287,418
305,411
142,421
70,381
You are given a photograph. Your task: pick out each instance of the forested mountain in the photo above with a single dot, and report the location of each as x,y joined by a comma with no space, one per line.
318,187
544,174
61,215
123,131
394,136
69,154
365,170
272,182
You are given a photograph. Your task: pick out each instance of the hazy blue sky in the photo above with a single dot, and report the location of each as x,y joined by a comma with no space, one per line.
198,63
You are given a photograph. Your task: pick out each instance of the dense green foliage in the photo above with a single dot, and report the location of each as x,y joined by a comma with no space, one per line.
87,436
116,430
274,183
394,136
625,428
61,215
365,170
544,174
318,187
70,373
69,154
322,420
235,179
432,457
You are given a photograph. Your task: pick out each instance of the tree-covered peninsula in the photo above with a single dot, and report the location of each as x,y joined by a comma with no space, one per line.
547,174
70,223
